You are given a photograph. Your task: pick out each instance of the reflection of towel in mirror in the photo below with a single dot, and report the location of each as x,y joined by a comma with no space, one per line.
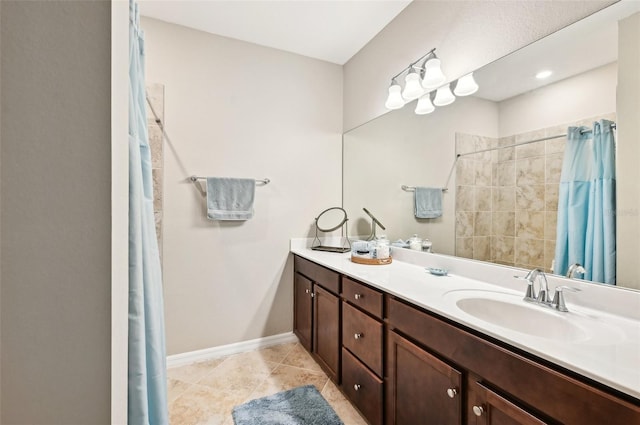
230,199
428,202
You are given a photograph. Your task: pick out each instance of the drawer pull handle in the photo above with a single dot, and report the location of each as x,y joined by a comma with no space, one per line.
358,336
357,296
478,410
357,387
452,392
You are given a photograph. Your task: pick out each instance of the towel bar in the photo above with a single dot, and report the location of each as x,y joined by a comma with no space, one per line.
263,181
413,189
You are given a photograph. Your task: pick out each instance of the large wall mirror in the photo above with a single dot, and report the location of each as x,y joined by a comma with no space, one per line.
501,205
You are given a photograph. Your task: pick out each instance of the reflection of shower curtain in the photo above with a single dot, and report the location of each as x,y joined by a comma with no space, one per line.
586,232
147,391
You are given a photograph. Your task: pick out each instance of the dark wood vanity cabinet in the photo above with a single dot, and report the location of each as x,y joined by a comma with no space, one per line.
486,407
421,389
402,365
363,349
317,313
303,310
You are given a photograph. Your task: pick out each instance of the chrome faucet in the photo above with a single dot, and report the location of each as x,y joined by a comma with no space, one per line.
574,269
543,294
542,297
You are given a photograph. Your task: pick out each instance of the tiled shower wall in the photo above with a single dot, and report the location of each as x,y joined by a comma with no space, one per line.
155,92
507,199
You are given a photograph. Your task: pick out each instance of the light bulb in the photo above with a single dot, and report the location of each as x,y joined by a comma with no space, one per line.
444,96
412,88
424,105
466,85
395,100
433,75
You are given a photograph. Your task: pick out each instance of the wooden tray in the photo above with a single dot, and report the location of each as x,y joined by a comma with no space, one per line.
371,261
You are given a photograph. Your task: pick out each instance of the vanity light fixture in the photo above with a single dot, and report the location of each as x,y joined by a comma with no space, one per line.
422,77
466,85
412,86
444,96
395,100
424,105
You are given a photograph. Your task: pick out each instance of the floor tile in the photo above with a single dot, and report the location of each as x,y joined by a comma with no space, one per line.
202,405
287,377
175,388
299,357
341,405
194,372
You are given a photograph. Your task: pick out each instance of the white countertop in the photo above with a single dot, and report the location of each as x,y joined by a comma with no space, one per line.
613,359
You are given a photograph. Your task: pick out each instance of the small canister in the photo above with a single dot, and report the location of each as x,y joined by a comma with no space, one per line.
383,249
415,243
426,245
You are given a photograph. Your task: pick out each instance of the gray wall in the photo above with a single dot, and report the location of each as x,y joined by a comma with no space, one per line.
56,182
237,109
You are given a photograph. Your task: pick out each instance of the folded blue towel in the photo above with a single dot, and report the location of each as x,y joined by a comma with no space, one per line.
428,202
230,199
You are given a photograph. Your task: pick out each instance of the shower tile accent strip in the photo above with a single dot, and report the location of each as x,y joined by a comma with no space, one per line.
507,199
156,96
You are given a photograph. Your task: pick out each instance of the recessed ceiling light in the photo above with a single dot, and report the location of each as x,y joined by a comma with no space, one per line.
543,74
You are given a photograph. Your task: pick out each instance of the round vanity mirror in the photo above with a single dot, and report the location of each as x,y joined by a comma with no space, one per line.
327,221
331,219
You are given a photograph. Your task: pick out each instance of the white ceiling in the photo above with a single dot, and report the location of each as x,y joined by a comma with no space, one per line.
585,45
330,30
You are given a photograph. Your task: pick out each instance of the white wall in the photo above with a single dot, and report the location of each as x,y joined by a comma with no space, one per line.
466,34
402,148
56,212
628,152
239,110
586,95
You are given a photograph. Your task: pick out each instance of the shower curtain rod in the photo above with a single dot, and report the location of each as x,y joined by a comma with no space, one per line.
613,126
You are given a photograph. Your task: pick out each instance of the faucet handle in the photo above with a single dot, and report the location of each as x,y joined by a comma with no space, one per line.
530,295
558,297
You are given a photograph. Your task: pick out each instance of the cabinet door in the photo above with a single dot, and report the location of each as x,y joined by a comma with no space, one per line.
302,307
326,330
422,389
489,408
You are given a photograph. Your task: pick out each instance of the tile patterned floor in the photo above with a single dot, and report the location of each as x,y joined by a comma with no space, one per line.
205,393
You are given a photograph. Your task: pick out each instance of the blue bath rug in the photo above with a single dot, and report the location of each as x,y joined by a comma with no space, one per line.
299,406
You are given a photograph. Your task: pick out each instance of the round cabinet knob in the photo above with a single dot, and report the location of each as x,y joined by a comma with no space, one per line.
452,392
307,291
478,410
357,336
356,387
357,296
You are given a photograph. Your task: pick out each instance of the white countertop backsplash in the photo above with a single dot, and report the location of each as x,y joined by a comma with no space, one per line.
615,363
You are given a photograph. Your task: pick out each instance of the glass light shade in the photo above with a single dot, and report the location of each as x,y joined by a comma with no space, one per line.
412,88
395,100
424,105
444,96
433,75
466,86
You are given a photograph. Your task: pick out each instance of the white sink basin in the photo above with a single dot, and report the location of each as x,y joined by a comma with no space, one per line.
522,318
510,312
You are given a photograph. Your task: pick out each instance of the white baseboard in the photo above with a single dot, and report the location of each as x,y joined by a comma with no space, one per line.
183,359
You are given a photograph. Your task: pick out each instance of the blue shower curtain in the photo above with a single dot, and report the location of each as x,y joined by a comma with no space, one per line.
586,231
147,390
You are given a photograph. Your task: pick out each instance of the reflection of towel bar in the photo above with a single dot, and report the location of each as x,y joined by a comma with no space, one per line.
262,181
413,189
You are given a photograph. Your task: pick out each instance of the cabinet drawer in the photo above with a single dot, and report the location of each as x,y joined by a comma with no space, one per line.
362,335
362,387
364,297
328,279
